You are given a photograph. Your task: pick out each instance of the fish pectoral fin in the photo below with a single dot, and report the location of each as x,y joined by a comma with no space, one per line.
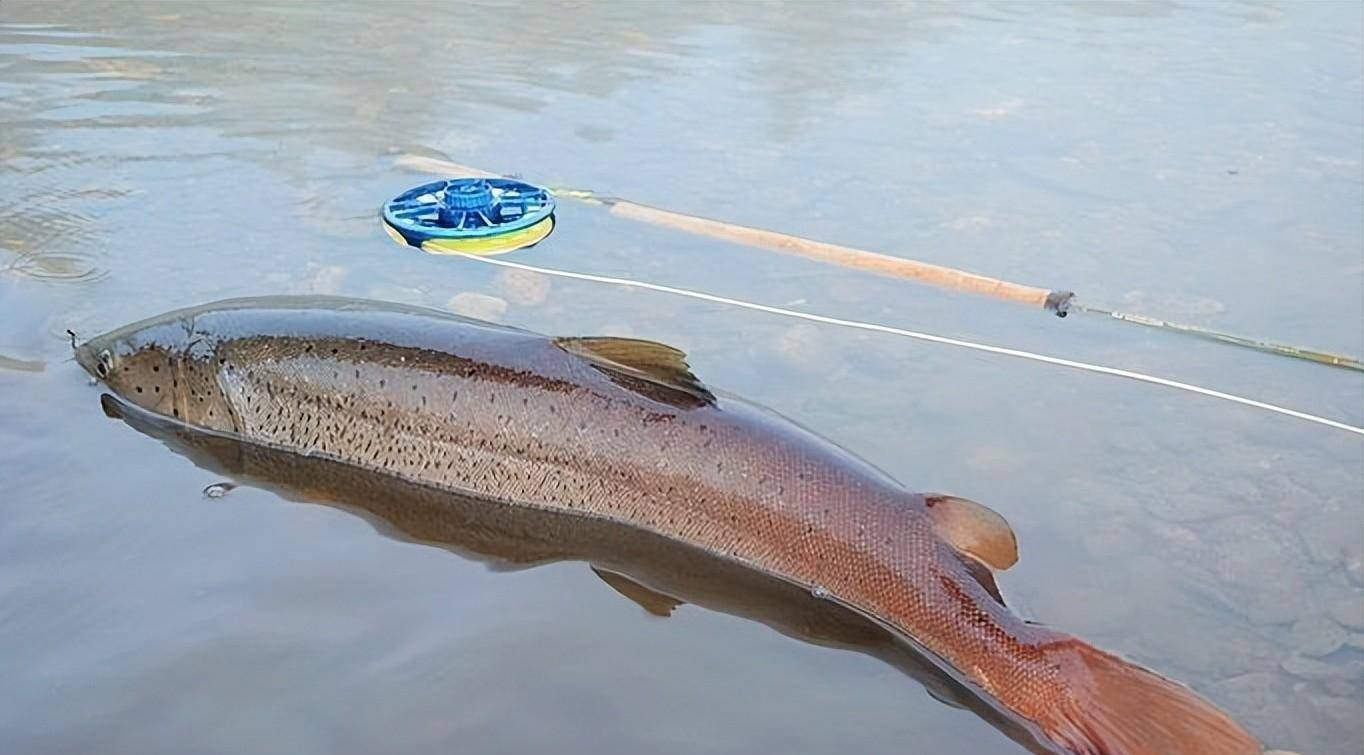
973,529
652,601
651,360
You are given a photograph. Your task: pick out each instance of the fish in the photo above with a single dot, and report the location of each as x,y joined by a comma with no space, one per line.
621,430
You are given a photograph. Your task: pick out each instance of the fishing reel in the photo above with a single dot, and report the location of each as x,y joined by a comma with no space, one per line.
481,216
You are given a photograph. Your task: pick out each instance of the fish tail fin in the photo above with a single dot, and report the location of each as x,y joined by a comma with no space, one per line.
1113,707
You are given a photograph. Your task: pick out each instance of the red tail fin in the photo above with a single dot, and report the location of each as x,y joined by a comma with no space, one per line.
1117,708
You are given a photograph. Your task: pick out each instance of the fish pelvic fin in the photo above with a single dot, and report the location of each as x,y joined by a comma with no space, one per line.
652,601
1113,707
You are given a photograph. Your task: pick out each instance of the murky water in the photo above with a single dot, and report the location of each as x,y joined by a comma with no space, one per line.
1200,162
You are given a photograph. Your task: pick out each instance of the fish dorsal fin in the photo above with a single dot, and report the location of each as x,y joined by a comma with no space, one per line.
654,361
973,529
652,601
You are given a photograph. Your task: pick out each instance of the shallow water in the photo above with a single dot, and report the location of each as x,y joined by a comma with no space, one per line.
1198,162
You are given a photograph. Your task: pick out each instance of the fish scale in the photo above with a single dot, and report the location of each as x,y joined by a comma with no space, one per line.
620,430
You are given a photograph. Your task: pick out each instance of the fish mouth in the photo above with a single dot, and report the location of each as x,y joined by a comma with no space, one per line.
88,358
95,356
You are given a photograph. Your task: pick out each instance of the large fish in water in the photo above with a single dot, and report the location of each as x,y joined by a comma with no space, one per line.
621,430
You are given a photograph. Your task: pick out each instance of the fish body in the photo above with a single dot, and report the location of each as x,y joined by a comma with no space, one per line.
659,573
620,430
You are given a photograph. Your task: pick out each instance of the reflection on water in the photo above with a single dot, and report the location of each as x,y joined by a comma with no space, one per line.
24,365
657,573
1200,162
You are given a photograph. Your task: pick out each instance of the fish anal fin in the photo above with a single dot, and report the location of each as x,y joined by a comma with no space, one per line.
652,601
655,361
939,692
973,529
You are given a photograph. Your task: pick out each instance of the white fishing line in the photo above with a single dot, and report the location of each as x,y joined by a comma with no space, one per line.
1096,368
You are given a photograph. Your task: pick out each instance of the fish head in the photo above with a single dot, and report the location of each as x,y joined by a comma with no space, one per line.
161,365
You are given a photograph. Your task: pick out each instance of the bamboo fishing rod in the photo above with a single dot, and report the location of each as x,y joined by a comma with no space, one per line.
1059,302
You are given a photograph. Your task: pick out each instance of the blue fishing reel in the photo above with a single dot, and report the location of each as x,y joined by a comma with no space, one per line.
471,216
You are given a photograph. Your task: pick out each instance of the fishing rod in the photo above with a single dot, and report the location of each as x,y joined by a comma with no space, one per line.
479,215
1059,302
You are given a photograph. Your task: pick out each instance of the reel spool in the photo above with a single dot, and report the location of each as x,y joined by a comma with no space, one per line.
481,216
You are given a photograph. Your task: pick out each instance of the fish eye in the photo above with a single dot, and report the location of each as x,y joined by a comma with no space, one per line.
105,364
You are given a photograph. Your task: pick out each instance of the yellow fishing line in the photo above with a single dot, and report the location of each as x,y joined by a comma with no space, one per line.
486,245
